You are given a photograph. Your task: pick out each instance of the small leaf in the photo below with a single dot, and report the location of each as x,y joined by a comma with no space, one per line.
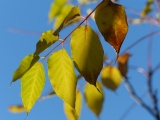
147,9
112,23
123,64
55,8
46,40
62,76
73,114
16,108
74,13
32,84
111,77
25,65
94,98
87,53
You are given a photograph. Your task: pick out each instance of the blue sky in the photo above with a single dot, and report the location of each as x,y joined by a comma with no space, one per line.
33,15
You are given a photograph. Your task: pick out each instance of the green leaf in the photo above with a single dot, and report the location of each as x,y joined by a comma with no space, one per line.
147,9
47,39
87,53
32,84
55,8
74,13
25,65
112,23
73,114
62,76
94,98
111,77
16,108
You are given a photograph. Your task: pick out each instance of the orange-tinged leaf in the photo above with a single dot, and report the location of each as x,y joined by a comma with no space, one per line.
73,114
123,64
94,98
112,23
111,77
87,53
16,108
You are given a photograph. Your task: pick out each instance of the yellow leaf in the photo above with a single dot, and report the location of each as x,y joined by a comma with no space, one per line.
16,108
94,98
112,23
73,114
111,77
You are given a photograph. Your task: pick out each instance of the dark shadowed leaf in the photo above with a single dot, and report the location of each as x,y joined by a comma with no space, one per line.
87,53
32,84
46,40
62,76
94,98
25,65
112,23
111,77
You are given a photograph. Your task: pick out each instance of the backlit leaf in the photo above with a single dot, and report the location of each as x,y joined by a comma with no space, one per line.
32,84
148,8
94,99
47,39
16,108
111,77
73,114
123,64
55,8
87,53
112,23
62,76
73,13
25,65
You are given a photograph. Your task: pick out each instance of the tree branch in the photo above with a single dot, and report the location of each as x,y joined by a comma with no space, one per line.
136,97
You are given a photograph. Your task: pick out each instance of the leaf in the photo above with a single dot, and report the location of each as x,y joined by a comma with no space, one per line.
83,2
74,13
87,53
73,114
94,99
111,77
32,84
46,40
16,108
123,64
112,23
55,8
62,76
25,65
147,9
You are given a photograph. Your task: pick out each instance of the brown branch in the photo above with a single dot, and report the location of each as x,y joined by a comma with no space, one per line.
136,97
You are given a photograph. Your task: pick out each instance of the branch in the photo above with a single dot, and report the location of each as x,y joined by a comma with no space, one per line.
136,97
153,96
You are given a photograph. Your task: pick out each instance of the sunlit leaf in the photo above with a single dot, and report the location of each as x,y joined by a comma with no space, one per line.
32,84
25,65
83,2
94,99
47,39
73,114
55,8
16,108
147,9
62,76
73,13
111,77
123,64
112,23
87,53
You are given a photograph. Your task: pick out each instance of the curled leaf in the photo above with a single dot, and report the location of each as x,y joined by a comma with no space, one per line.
123,64
112,23
111,77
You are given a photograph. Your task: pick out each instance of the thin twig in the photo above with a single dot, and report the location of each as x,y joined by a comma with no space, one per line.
157,4
136,97
153,96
